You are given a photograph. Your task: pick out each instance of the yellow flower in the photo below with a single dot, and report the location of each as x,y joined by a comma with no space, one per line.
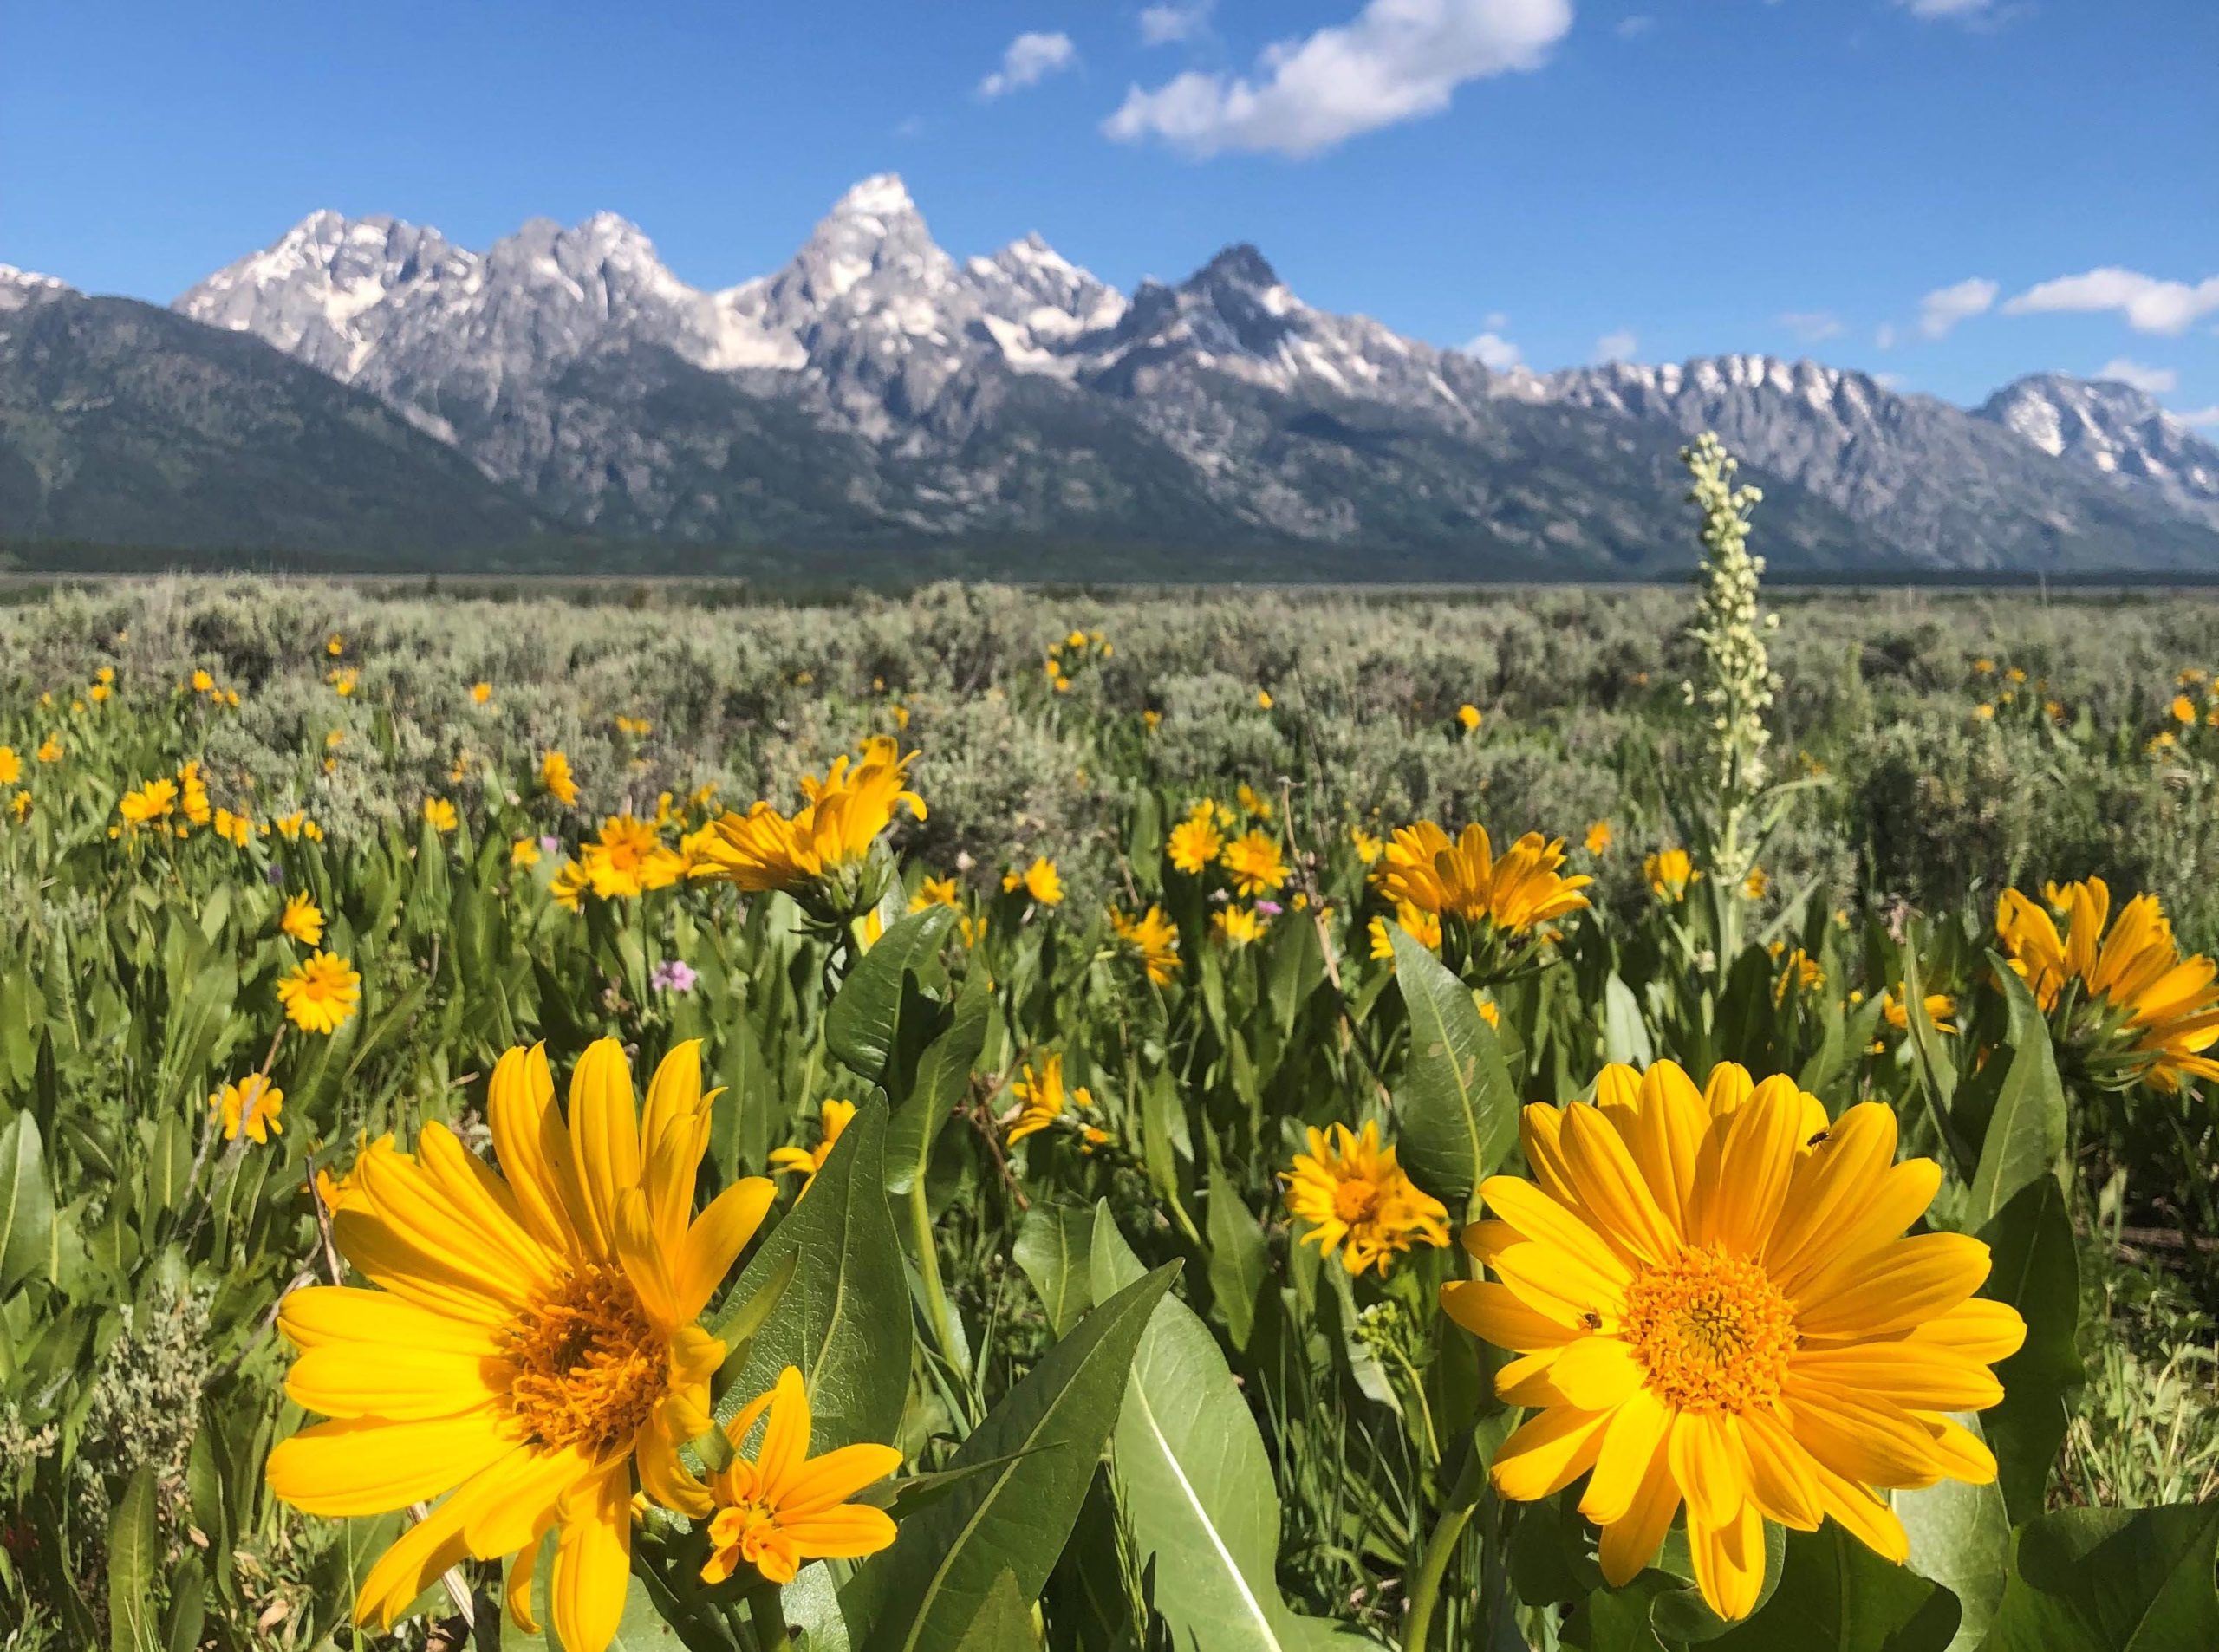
1154,937
833,1118
533,1342
1420,924
628,859
1984,711
1195,843
1463,880
1669,873
568,889
11,766
481,692
1151,719
20,806
322,994
1712,1301
1358,1201
974,930
1252,801
1940,1006
844,814
1468,716
1042,1099
525,852
1984,667
151,802
2149,1011
342,680
1598,836
1264,698
1800,972
237,829
1237,925
49,750
335,645
193,794
440,815
2184,709
638,727
555,776
935,892
1756,883
1040,880
303,920
253,1105
782,1507
203,683
104,676
1369,848
1256,864
297,825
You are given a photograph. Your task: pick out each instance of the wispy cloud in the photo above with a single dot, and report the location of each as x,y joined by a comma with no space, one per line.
2201,416
1635,27
1495,352
1956,11
1396,61
1616,346
1029,59
2149,305
1811,326
1944,307
2155,382
1167,25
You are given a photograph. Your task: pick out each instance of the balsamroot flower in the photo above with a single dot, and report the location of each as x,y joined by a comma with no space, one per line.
1668,874
784,1508
527,1341
1042,1099
1194,841
1256,866
833,1119
821,853
253,1105
1358,1201
628,859
1462,879
1155,937
556,780
322,994
2127,1001
303,920
1714,1301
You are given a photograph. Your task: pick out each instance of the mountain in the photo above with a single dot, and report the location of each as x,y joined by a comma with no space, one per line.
123,424
877,391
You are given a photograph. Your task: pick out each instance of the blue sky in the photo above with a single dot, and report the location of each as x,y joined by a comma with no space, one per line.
1571,178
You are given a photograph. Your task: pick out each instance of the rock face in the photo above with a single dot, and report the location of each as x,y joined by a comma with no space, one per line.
877,389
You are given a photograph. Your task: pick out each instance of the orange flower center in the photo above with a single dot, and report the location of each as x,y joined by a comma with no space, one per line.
587,1365
1714,1329
1353,1201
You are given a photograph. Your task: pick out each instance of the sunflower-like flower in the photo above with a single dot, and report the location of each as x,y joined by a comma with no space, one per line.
1714,1300
322,994
821,853
628,859
303,920
1238,926
1196,842
1461,878
784,1507
1597,841
528,1341
143,805
833,1118
1256,866
556,780
253,1104
937,892
1042,1099
1420,924
1669,873
1358,1201
440,815
1155,937
2127,1000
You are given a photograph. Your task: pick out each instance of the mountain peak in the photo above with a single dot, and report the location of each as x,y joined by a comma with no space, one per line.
21,287
1238,265
882,195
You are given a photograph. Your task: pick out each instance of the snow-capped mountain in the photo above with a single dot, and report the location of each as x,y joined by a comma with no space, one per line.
877,385
19,288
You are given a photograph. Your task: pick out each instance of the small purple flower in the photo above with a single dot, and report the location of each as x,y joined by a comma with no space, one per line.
550,844
1270,908
673,975
274,875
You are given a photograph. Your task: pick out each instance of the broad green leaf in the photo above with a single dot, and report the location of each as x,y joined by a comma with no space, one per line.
1054,1245
844,1319
1682,1615
2026,1128
26,1201
1835,1595
1456,1115
921,1595
2112,1580
134,1556
2036,1268
943,1076
1625,1037
1961,1537
1004,1623
1194,1480
863,1026
1238,1259
1930,1060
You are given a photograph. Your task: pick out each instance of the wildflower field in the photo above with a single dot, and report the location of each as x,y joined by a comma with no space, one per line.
994,1119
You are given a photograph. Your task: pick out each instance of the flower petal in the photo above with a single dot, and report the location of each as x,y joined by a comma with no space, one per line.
1596,1373
1611,1185
396,1382
1547,1223
534,1147
716,1238
1548,1452
593,1560
1902,1284
605,1141
1729,1560
370,1466
1493,1313
1633,1440
1630,1544
1918,1376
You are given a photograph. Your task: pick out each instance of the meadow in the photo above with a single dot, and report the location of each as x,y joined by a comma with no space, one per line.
991,1120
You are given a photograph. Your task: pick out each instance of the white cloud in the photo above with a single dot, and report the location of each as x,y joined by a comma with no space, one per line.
1889,380
1616,346
1635,27
1884,335
1495,321
1944,307
1031,58
1167,25
1811,326
1495,352
2201,416
2149,305
1963,10
2155,382
1397,59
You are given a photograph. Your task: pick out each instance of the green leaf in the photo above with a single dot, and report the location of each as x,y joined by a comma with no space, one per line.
921,1595
1961,1537
1457,1114
133,1557
1682,1614
1835,1595
2026,1128
863,1026
844,1319
26,1201
2112,1580
943,1076
1194,1480
1004,1623
1625,1037
1238,1259
2035,1268
1930,1060
1053,1247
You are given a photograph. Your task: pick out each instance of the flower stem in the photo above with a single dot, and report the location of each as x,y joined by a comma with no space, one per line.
1440,1549
920,1233
770,1616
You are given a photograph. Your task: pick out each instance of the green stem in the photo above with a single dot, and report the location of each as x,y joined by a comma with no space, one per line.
936,1302
769,1614
1440,1549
